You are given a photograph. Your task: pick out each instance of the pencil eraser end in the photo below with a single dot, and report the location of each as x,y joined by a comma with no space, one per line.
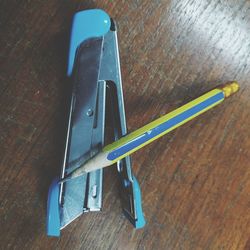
230,88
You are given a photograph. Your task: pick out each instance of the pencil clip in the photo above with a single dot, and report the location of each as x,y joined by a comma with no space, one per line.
94,69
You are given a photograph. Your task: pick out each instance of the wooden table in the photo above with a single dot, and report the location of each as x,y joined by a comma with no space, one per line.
195,181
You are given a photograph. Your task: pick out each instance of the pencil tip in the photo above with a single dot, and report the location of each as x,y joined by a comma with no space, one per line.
61,181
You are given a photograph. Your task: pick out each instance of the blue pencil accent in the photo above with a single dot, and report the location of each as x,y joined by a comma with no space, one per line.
163,127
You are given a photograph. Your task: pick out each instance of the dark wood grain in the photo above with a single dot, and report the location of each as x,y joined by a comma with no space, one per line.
195,181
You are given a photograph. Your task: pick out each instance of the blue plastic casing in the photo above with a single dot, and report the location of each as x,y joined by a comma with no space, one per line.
86,24
140,222
53,210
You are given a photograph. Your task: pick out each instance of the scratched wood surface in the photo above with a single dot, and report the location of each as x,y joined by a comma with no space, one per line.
195,181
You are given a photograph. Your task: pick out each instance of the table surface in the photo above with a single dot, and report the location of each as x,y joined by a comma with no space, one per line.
195,181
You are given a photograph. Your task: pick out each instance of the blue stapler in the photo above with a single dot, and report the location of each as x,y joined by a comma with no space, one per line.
94,69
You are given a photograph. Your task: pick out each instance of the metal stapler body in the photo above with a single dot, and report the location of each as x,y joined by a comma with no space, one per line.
94,69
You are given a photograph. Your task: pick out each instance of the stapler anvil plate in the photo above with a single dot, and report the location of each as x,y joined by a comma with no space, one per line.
94,69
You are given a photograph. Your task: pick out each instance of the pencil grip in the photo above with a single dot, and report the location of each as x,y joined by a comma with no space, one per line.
163,125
